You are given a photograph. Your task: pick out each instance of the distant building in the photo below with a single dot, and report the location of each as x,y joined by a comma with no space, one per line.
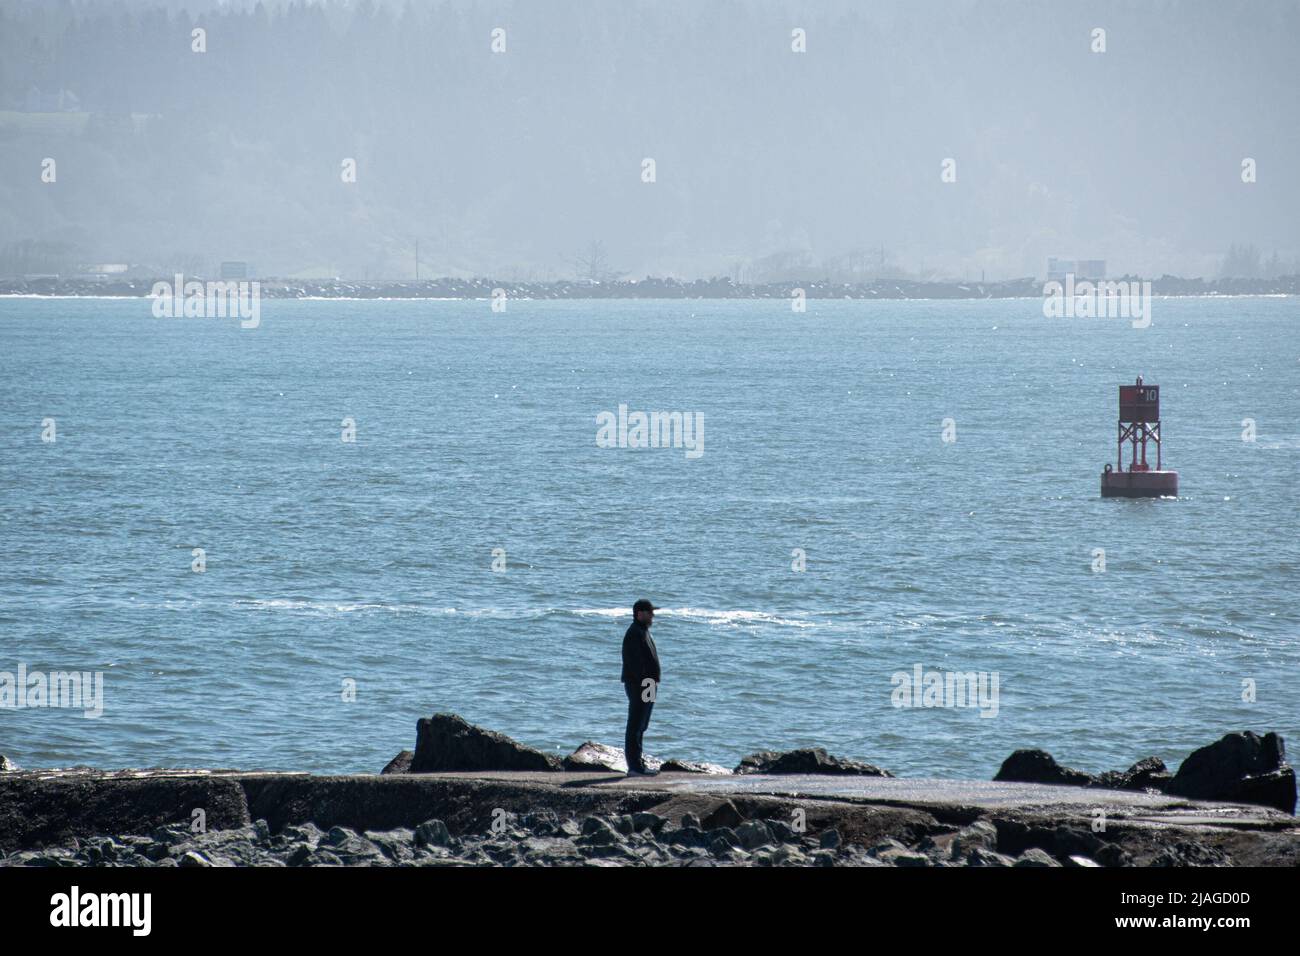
1058,269
104,271
235,270
43,101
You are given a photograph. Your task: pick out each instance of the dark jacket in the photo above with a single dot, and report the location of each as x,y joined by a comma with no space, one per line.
640,657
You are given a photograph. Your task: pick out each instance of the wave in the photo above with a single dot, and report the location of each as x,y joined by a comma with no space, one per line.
713,618
705,615
346,607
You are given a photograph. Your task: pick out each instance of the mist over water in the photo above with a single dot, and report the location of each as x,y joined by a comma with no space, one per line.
778,156
372,560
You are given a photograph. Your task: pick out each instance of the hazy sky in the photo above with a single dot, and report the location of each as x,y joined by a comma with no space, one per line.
511,163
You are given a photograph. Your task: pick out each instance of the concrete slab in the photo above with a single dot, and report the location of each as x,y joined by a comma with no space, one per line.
911,792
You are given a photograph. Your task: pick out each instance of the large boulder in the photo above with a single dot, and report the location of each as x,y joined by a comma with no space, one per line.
806,760
7,765
399,764
604,758
756,762
1038,766
1239,767
597,757
1149,773
449,742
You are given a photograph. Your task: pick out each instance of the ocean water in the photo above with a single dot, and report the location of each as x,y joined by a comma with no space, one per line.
368,565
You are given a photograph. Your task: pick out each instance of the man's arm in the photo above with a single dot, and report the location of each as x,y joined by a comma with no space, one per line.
650,658
631,655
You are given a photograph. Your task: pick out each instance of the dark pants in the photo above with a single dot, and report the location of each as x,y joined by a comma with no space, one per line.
638,719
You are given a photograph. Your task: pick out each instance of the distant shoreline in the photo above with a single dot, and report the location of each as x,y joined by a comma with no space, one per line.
448,289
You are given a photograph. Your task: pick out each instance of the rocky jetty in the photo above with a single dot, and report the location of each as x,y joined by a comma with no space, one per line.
1240,767
529,819
495,802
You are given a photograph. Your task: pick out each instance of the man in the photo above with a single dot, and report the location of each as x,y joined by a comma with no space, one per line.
641,681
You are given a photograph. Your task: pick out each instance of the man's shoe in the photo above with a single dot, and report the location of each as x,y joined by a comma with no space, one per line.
647,772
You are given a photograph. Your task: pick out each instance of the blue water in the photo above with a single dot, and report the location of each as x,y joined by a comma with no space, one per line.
372,561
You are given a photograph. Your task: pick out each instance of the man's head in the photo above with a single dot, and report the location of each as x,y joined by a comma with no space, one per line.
643,612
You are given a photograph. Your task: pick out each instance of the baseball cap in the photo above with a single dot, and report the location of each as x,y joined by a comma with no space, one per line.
643,605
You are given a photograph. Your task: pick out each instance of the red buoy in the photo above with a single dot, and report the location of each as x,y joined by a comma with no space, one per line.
1139,422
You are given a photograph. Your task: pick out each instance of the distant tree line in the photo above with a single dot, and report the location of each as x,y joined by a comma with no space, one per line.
772,165
1244,262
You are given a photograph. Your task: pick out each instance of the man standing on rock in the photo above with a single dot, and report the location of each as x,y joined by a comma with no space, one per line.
641,681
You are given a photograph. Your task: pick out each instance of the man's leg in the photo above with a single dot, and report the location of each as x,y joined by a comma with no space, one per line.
632,737
645,722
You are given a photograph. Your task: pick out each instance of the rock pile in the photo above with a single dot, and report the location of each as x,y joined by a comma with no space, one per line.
540,838
449,742
1240,767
